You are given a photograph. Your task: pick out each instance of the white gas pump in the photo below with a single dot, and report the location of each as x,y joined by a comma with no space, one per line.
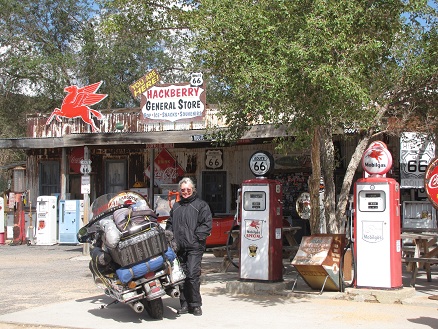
377,223
261,225
46,225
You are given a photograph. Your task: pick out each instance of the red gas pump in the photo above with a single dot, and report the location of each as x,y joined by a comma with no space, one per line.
19,231
377,242
261,224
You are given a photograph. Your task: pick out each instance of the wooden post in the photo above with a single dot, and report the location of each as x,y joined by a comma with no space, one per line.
86,246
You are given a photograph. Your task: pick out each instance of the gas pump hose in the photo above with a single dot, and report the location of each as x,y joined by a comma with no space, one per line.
342,284
227,246
349,245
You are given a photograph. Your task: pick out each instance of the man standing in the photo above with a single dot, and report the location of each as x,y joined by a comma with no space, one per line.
190,221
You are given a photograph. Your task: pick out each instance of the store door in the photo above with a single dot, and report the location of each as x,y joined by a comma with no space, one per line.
116,176
214,190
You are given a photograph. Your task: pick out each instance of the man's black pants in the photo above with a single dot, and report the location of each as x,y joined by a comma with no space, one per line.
190,290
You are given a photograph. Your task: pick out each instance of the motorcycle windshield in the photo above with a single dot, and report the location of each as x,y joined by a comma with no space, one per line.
101,204
108,201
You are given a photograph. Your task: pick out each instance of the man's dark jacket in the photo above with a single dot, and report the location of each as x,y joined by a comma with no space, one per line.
190,221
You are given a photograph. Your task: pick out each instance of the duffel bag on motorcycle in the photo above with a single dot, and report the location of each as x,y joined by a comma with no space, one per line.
126,274
140,246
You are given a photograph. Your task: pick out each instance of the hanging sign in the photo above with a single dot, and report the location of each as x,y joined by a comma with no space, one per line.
85,184
174,102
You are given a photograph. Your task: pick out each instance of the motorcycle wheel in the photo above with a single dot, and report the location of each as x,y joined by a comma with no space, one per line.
154,308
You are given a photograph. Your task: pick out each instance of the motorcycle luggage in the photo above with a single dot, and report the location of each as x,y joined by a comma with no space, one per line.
138,247
126,274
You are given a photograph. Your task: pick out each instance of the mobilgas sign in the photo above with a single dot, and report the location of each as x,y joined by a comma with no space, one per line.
173,102
377,159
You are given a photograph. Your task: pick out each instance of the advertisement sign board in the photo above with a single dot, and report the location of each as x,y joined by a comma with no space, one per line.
416,152
167,170
175,102
431,182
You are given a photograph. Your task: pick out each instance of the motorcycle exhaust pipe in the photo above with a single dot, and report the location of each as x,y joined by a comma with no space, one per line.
174,293
138,307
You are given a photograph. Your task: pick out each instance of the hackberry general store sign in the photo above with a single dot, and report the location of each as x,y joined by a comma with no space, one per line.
175,102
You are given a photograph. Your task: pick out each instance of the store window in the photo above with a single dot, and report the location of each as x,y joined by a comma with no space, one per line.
49,178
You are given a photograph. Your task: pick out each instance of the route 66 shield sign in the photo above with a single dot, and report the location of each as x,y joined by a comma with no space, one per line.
196,79
213,159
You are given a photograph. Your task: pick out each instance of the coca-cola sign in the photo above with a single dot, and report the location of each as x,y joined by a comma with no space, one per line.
76,155
431,182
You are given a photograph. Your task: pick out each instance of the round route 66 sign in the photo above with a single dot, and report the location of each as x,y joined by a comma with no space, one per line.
261,163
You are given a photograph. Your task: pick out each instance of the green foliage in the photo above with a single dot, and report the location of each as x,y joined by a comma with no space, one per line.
304,63
39,42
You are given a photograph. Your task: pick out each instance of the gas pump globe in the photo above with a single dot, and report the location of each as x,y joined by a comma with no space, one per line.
18,179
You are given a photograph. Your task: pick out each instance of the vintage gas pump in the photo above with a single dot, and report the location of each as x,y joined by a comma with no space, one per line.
377,222
261,223
19,230
2,221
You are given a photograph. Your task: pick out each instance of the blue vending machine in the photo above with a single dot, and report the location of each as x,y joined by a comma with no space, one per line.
70,220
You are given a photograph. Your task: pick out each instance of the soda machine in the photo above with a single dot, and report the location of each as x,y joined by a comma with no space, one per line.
70,220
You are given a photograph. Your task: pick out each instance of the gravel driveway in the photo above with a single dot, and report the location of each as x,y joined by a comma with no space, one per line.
37,275
34,275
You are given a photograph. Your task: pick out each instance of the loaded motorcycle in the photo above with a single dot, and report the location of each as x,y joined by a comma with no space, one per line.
133,259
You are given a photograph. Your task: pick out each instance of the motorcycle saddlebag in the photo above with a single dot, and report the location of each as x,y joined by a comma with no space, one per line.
139,247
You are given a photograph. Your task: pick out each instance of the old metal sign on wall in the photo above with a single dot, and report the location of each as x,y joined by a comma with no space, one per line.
416,152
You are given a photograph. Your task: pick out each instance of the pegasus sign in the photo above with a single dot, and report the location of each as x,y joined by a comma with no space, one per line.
76,104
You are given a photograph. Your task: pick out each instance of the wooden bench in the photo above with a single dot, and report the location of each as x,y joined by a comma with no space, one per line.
417,262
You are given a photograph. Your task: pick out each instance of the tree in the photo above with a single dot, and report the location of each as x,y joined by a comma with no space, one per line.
156,22
316,66
48,45
39,43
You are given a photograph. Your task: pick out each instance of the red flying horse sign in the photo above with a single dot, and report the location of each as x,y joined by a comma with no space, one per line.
76,103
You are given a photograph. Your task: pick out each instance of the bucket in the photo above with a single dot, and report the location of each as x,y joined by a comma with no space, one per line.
2,237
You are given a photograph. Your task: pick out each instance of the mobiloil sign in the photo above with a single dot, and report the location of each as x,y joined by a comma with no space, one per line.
377,222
